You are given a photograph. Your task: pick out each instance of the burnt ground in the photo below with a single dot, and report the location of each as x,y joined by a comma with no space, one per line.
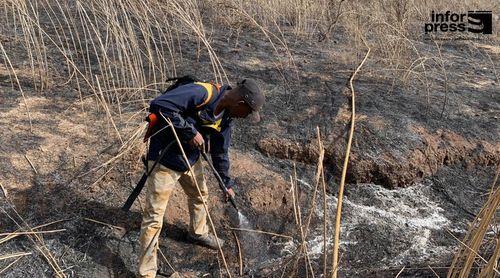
423,159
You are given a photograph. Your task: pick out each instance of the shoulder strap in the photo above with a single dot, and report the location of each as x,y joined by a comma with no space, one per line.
209,87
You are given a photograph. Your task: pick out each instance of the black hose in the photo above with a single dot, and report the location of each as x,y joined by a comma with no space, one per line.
219,179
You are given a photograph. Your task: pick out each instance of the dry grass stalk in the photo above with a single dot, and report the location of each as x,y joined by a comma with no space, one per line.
199,192
31,233
14,255
130,144
16,234
325,204
292,190
434,272
296,206
7,238
50,223
31,164
38,242
6,57
492,264
108,112
465,257
4,190
344,169
240,256
165,258
261,232
304,233
401,271
466,246
105,224
321,156
11,264
325,209
307,260
102,176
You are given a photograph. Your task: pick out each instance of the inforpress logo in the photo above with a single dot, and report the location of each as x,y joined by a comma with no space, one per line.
479,22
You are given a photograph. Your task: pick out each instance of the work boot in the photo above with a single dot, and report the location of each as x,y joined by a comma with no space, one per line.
207,240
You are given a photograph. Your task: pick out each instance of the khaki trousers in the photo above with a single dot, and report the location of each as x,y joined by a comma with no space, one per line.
160,185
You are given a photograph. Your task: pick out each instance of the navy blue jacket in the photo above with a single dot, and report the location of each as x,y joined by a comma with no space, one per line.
180,105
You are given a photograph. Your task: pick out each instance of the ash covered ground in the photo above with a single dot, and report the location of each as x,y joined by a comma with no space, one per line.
423,160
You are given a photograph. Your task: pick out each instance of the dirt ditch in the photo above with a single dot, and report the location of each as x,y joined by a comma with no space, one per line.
390,169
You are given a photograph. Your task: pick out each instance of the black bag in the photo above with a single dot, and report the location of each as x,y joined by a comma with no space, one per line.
179,81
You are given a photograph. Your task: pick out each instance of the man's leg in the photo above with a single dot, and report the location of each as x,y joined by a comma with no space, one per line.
160,186
198,224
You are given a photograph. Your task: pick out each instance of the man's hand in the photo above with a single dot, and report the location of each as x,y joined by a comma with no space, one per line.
197,140
231,193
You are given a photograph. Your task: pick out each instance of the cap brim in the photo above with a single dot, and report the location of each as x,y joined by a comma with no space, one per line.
254,117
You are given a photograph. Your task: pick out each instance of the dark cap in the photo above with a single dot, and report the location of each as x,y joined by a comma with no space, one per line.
253,97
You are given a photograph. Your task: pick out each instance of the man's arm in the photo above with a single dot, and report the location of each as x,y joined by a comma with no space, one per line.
176,103
219,147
